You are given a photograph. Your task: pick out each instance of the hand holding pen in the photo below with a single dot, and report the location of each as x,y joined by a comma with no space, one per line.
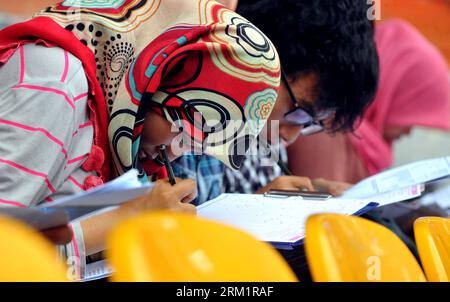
169,195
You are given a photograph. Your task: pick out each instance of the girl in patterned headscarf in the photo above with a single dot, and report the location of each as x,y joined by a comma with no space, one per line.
92,88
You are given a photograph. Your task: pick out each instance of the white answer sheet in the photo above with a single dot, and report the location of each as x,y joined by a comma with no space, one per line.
277,220
405,176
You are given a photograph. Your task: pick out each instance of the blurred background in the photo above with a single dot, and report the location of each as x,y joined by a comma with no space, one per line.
431,17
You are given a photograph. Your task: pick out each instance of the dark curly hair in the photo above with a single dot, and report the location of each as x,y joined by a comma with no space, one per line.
333,38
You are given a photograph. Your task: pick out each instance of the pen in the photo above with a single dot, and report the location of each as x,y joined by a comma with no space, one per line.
284,167
166,161
304,195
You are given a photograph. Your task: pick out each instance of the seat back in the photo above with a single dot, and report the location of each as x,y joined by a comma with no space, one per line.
432,236
26,256
168,246
344,248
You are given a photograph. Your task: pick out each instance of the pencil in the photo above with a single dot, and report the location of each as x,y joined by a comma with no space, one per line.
166,161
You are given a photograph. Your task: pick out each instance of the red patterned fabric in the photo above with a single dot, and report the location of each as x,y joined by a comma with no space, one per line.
179,75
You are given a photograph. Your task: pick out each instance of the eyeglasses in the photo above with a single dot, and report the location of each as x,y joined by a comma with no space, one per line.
312,123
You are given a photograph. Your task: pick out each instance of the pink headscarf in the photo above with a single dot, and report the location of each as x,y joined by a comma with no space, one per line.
414,90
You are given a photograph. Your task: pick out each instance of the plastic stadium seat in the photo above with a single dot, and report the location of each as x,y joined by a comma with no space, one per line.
168,246
432,236
342,248
25,255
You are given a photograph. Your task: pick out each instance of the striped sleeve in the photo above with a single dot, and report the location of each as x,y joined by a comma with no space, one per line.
37,119
41,102
74,254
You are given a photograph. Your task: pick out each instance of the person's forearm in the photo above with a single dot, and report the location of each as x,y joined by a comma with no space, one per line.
162,196
97,228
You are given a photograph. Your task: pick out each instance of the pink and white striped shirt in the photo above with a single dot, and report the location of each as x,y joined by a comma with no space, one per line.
45,132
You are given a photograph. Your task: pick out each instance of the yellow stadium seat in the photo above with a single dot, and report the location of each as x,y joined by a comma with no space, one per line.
25,256
432,236
172,247
342,248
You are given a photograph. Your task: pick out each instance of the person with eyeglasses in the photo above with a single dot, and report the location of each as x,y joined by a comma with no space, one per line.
414,91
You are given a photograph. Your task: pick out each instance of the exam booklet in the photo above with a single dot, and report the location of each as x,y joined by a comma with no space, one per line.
279,221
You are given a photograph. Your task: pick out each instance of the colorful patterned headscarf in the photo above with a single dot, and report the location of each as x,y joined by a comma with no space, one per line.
189,60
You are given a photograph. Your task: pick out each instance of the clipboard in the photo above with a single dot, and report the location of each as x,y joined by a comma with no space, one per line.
278,222
311,195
